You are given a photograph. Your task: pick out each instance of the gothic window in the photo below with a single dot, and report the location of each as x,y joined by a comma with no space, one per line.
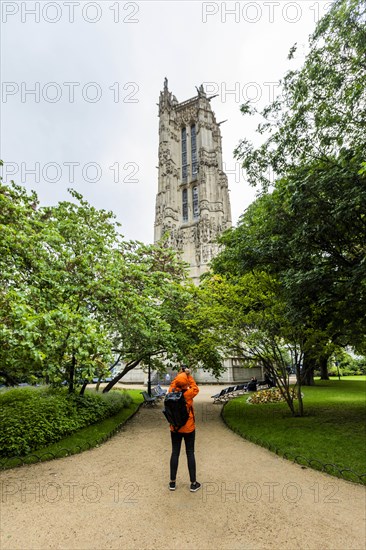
194,151
184,155
196,211
185,204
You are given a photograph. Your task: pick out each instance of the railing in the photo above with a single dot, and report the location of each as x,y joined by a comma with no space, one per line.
184,103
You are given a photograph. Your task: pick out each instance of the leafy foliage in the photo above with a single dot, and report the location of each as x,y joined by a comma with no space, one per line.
32,418
76,298
244,316
309,232
322,106
344,364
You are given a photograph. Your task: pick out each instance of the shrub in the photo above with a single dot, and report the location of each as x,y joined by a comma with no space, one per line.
350,372
348,365
333,371
32,418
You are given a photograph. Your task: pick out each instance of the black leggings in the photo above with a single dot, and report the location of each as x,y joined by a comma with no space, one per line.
174,459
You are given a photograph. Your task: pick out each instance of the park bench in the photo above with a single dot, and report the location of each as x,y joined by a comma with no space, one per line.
224,395
230,392
148,401
219,397
158,392
240,389
161,391
265,384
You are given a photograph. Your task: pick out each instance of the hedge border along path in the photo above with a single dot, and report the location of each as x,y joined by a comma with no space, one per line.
67,447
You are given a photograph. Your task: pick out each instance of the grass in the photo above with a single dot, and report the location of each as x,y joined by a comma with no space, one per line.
84,439
331,432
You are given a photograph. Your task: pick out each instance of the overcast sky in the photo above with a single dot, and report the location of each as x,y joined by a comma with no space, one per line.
96,70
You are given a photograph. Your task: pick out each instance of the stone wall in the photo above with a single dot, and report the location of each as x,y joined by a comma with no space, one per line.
231,375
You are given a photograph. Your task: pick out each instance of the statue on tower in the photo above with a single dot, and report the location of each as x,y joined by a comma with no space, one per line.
201,92
167,99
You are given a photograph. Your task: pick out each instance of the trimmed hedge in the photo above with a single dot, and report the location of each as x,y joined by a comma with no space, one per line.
31,418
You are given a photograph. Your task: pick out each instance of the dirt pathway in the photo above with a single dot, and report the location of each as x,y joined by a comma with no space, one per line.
116,496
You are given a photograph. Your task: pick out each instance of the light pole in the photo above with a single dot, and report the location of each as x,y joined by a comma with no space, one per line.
337,365
149,377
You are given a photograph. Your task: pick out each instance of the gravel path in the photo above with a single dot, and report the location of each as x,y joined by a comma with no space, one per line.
116,496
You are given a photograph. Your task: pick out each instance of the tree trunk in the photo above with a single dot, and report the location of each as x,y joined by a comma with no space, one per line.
323,367
72,373
83,387
116,379
307,374
300,401
308,377
284,387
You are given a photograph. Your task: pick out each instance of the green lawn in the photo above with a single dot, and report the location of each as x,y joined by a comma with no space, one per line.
81,440
332,430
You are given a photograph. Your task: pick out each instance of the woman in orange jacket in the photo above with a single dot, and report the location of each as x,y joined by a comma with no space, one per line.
184,382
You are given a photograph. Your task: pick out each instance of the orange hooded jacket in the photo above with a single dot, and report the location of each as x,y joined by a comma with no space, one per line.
186,382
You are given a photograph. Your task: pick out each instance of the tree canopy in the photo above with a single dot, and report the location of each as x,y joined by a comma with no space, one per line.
308,227
76,297
244,316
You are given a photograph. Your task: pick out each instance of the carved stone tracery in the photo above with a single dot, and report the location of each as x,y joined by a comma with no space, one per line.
195,237
186,116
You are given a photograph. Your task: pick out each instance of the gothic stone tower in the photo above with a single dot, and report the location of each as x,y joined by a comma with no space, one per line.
192,203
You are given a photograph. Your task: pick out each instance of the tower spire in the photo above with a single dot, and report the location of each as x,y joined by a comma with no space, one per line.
167,99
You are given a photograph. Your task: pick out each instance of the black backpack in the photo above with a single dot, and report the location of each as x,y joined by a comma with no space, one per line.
175,409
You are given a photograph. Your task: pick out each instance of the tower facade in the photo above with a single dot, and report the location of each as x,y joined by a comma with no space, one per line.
192,203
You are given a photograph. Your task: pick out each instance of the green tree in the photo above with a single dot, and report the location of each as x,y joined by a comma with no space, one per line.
245,317
322,106
76,297
158,334
309,232
59,264
20,258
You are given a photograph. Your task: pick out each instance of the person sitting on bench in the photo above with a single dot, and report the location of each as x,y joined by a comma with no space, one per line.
268,380
252,385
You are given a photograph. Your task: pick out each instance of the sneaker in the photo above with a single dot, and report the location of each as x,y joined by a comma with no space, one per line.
172,485
195,486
